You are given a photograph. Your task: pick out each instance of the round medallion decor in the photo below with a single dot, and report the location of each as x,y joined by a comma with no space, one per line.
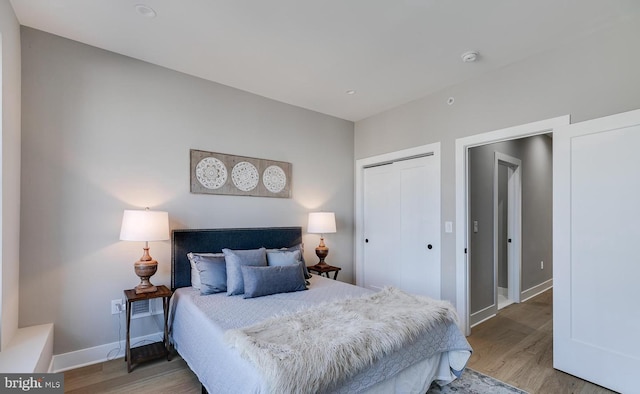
211,173
274,179
245,176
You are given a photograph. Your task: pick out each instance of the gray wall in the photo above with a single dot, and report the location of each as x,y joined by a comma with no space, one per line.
535,154
103,133
590,78
10,169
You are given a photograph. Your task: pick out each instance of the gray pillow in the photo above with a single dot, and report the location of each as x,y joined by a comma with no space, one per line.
299,248
235,259
212,271
282,257
279,258
195,274
262,281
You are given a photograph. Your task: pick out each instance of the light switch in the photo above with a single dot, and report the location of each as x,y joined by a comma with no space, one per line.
475,226
448,227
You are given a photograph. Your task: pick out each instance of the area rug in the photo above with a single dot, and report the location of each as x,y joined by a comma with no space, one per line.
473,382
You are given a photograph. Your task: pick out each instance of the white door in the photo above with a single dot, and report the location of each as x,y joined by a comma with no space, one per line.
509,241
401,226
381,186
596,212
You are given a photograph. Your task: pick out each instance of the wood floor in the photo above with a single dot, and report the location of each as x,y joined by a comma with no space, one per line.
515,347
157,377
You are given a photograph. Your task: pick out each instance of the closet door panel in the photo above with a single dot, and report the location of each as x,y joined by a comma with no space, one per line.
402,226
381,221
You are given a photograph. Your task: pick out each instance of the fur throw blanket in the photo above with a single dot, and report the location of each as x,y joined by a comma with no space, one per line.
312,350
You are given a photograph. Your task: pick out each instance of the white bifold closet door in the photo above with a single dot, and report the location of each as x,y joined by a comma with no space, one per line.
596,214
402,226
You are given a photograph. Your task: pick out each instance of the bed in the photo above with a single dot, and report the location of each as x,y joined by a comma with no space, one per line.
205,329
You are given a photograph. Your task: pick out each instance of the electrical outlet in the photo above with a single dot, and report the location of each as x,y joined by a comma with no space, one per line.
542,265
117,307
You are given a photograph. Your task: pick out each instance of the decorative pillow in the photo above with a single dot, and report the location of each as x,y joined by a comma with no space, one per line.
212,271
299,248
262,281
279,258
195,274
235,259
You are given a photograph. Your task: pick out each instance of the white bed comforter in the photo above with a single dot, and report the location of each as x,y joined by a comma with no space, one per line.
199,323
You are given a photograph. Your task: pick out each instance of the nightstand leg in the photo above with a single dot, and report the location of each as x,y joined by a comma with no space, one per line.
165,304
127,356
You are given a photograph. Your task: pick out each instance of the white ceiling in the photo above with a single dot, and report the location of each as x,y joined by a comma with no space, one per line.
310,52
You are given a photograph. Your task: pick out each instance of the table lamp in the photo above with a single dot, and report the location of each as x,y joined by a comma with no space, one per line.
321,223
145,225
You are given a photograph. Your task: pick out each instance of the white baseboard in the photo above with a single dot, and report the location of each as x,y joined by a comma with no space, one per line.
482,315
536,290
81,358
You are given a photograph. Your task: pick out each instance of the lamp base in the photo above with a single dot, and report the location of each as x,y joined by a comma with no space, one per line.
143,288
322,252
145,270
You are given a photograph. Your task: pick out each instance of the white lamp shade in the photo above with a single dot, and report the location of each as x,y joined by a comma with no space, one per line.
321,223
139,225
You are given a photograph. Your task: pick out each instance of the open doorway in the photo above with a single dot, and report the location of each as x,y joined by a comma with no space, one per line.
477,282
510,200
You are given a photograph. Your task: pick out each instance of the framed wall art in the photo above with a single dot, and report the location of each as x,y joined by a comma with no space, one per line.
221,173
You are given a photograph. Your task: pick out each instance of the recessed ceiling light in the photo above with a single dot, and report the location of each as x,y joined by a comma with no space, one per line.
470,57
350,92
145,11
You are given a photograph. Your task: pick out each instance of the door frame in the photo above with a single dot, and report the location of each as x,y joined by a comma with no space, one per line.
514,225
462,198
360,165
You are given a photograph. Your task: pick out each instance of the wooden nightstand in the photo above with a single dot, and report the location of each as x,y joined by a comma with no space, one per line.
154,350
324,269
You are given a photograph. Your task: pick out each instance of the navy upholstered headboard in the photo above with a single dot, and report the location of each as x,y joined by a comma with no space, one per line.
214,240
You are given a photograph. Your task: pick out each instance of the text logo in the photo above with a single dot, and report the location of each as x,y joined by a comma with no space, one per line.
43,383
